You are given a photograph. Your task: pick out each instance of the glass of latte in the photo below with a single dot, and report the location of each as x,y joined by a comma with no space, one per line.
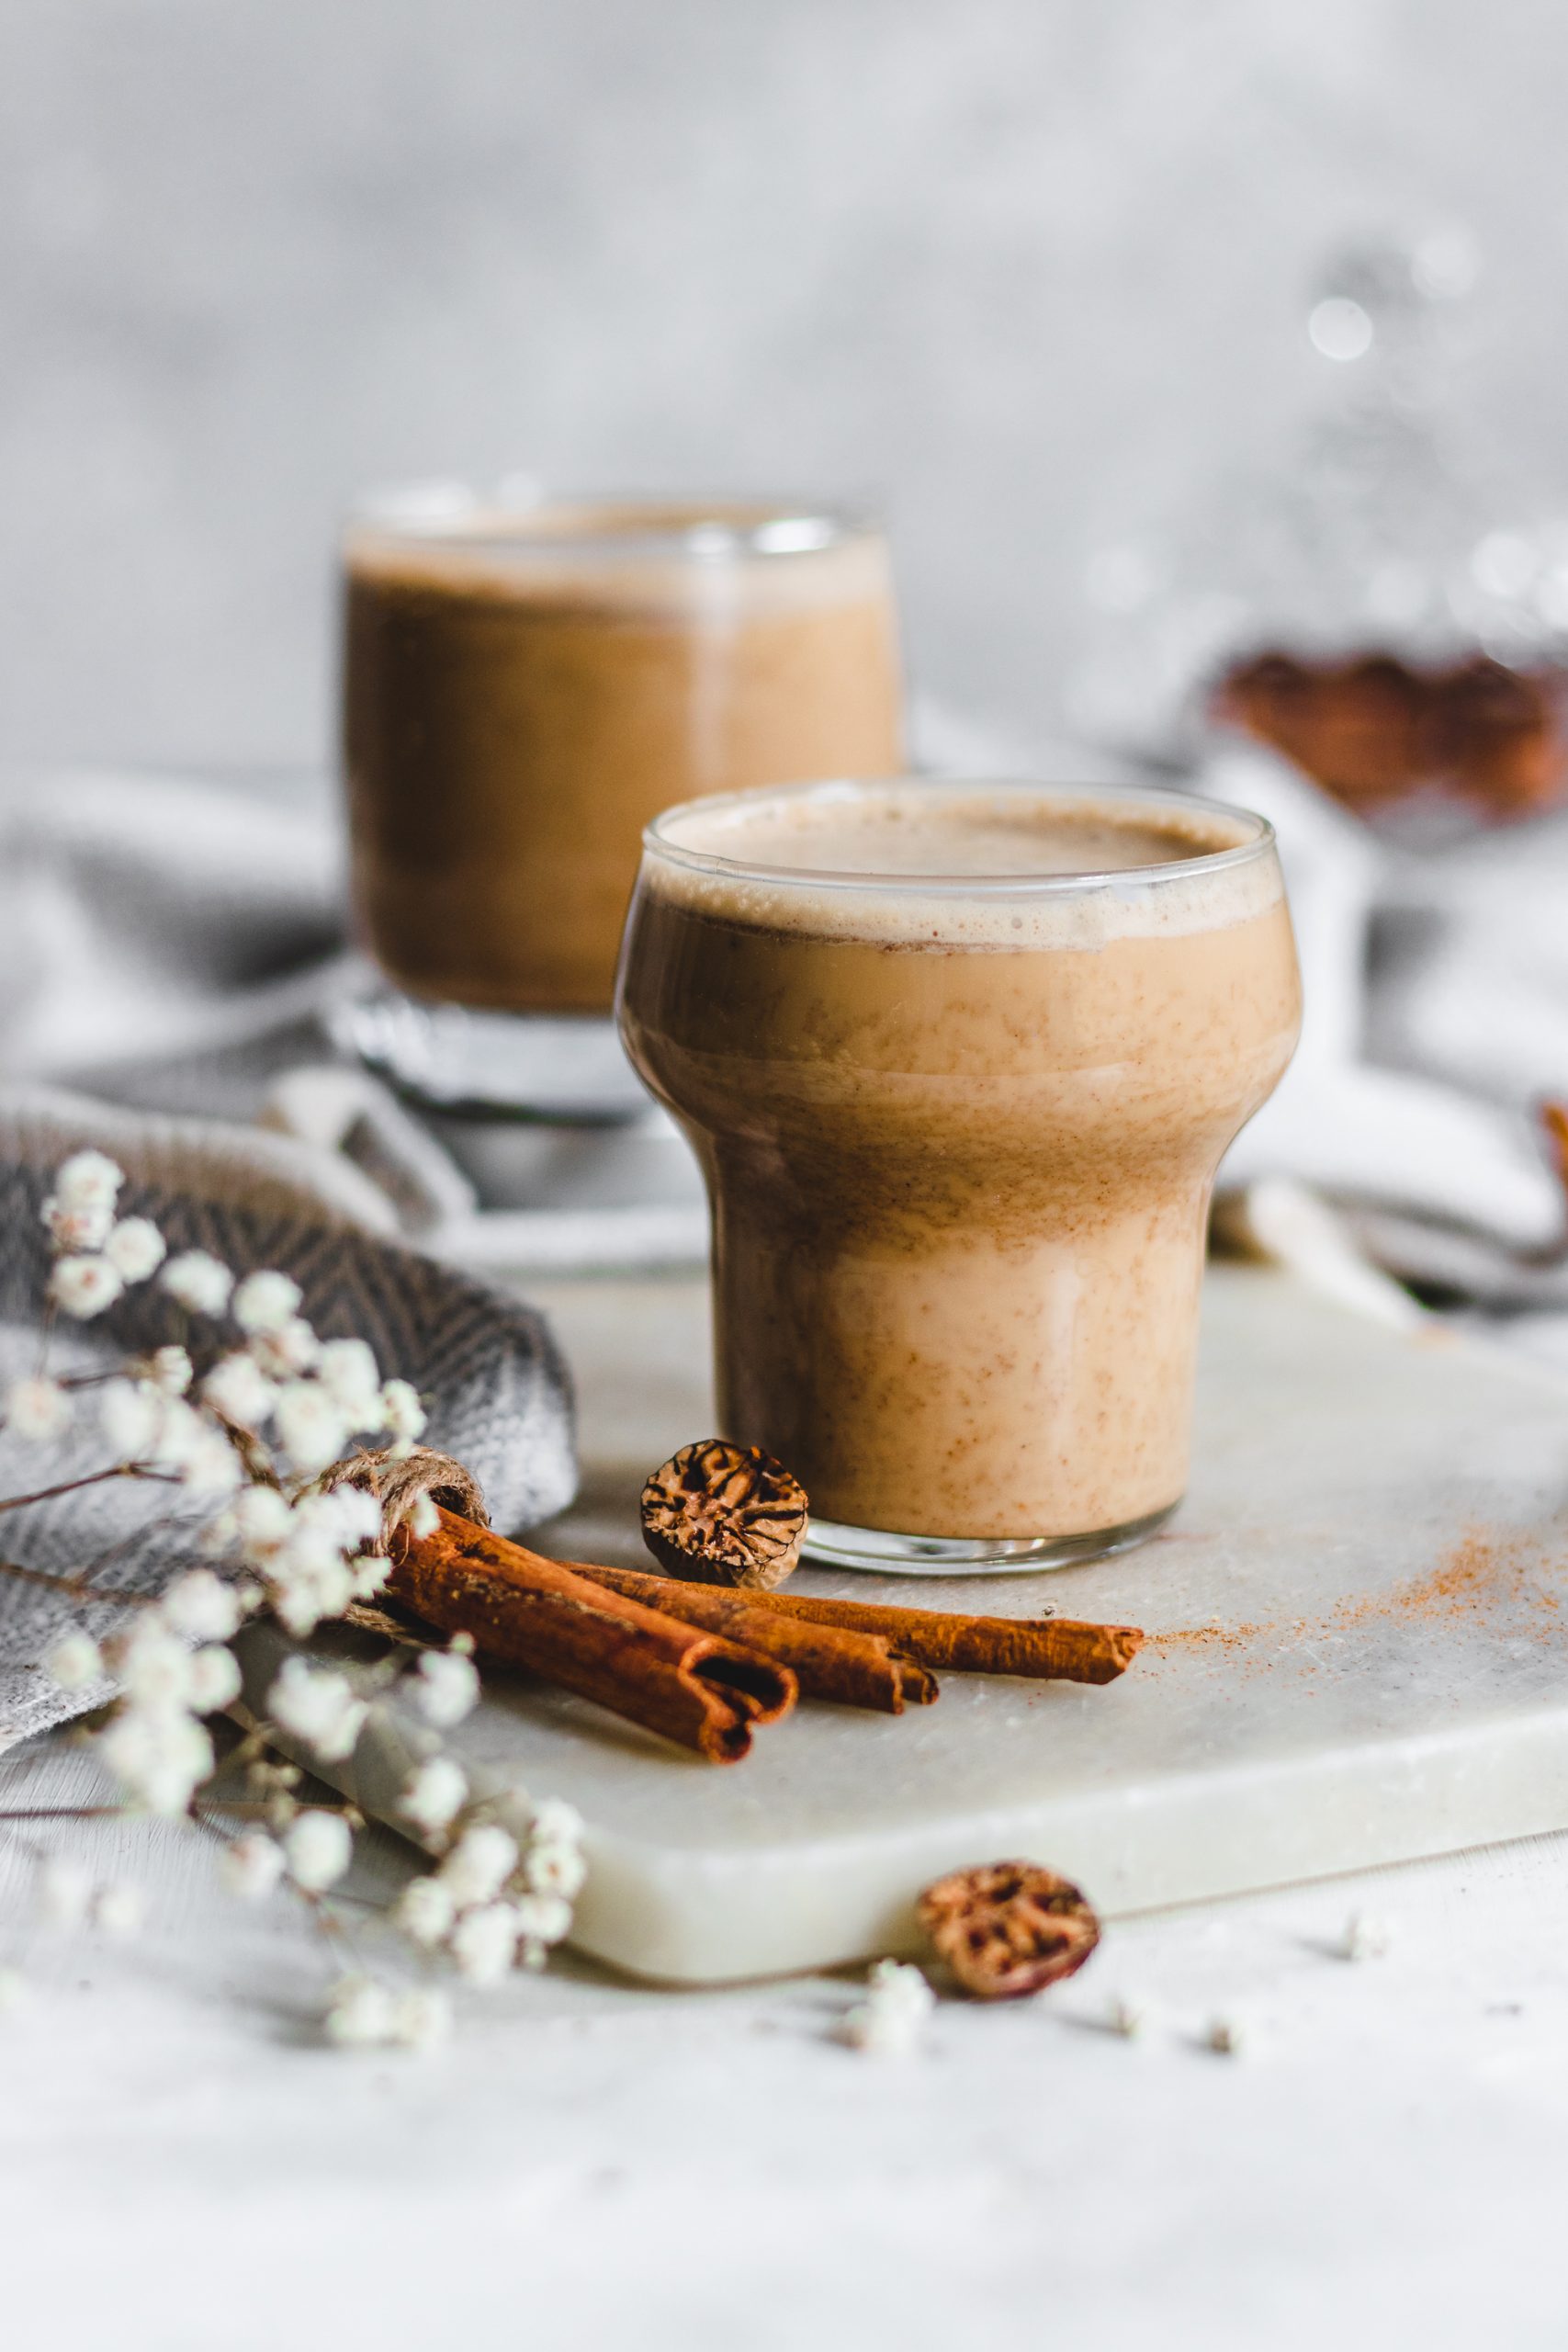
960,1061
524,686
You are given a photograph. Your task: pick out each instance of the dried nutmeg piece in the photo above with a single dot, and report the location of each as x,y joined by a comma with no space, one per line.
719,1513
1008,1928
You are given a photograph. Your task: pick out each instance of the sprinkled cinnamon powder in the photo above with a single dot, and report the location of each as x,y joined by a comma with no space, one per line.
1481,1574
1228,1638
1501,1577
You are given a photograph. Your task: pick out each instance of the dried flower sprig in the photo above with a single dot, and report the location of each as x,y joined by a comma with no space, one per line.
239,1427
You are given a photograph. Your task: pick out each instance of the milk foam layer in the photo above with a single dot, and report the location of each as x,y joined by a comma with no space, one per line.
981,865
680,561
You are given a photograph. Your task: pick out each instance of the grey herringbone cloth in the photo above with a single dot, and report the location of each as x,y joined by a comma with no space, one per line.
493,1382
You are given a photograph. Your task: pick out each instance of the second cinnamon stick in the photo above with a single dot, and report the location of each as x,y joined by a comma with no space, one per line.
1056,1649
834,1662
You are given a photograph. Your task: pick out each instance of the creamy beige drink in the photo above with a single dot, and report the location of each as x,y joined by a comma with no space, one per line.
523,691
960,1063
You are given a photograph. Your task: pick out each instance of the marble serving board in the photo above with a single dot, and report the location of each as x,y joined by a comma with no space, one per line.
1358,1654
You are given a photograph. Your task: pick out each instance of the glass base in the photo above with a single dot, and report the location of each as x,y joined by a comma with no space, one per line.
567,1067
881,1553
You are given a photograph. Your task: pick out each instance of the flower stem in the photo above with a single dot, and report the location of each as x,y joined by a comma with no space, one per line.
94,1478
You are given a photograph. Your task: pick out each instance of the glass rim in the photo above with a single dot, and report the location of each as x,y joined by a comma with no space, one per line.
526,520
1259,844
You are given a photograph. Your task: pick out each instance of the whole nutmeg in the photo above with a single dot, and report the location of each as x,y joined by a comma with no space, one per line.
717,1513
1008,1929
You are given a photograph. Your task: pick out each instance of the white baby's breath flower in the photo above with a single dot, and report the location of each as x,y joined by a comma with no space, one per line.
554,1821
239,1389
178,1435
119,1910
132,1419
305,1593
484,1943
422,2019
318,1847
425,1911
214,1679
76,1229
347,1371
160,1755
359,1514
169,1371
361,2014
286,1353
892,2017
267,1300
542,1919
200,1281
346,1517
75,1661
83,1287
62,1888
202,1605
422,1518
38,1410
402,1415
480,1863
150,1663
264,1524
212,1466
446,1688
317,1706
88,1180
135,1249
434,1793
367,1574
252,1866
315,1541
311,1426
552,1868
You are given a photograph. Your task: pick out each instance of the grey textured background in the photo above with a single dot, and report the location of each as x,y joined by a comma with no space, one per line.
1023,270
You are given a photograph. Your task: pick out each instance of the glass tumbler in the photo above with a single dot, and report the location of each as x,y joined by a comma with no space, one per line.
959,1063
524,686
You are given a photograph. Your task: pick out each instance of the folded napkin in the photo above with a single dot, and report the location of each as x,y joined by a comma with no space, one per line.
496,1391
1436,985
177,943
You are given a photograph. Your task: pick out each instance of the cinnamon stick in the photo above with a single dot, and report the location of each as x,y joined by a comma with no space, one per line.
1047,1649
833,1662
696,1688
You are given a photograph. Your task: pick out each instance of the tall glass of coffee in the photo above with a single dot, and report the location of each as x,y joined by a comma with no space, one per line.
525,688
960,1062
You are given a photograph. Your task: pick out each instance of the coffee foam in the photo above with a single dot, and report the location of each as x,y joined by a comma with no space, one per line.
1004,868
570,560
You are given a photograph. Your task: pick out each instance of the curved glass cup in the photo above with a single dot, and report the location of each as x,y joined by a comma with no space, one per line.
960,1061
526,685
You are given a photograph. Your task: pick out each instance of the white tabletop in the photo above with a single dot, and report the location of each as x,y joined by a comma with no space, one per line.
590,2161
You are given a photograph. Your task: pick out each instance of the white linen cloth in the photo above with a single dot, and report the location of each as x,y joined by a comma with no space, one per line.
177,944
